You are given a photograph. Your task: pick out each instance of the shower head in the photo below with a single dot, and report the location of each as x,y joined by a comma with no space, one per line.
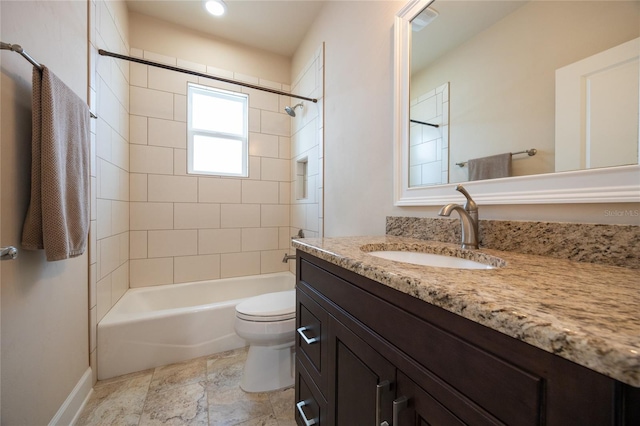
292,110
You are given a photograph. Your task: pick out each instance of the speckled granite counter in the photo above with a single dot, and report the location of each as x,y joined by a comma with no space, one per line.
586,313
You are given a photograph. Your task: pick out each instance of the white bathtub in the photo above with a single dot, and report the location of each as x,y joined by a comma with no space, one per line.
153,326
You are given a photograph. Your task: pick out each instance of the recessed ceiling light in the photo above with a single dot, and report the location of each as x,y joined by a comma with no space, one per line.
215,7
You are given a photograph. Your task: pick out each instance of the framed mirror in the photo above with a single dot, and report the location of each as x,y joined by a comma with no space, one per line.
491,104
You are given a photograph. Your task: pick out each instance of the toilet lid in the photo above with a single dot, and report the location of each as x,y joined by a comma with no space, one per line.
276,306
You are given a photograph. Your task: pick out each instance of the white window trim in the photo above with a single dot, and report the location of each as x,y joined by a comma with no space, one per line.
244,138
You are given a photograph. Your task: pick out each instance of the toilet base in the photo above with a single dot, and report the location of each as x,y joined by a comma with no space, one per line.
268,368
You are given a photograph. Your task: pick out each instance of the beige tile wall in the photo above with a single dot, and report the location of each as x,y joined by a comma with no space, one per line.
429,146
110,160
194,227
307,143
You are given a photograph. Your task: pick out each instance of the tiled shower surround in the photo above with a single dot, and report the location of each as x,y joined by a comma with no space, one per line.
190,227
615,245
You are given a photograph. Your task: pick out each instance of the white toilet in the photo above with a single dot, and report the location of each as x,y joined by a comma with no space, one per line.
267,323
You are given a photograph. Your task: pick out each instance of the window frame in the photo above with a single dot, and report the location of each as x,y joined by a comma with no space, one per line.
193,88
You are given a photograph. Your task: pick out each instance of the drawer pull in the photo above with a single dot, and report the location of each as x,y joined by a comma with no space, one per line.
309,341
307,422
399,405
381,388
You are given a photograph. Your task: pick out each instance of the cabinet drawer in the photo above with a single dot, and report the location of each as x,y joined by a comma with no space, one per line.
311,339
311,407
511,394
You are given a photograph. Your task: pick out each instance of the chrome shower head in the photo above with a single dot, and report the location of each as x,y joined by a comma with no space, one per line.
292,110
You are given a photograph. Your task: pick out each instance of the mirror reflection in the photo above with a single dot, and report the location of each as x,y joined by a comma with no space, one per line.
515,88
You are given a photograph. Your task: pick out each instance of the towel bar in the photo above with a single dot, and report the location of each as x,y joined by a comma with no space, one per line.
531,152
18,49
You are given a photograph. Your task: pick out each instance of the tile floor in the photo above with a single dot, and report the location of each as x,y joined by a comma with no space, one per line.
203,391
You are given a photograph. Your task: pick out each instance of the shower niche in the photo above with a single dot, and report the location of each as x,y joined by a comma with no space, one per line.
302,178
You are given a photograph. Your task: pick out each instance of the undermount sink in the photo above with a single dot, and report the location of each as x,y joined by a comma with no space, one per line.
429,259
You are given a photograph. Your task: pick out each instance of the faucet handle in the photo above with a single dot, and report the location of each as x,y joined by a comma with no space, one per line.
470,205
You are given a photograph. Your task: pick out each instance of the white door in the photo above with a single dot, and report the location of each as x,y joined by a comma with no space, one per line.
597,110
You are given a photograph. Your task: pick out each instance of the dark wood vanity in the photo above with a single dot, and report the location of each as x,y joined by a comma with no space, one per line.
367,354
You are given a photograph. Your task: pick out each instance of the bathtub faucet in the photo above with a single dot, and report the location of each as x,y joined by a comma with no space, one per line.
288,257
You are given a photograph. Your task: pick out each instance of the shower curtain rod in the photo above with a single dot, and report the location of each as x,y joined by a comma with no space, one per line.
18,49
426,124
199,74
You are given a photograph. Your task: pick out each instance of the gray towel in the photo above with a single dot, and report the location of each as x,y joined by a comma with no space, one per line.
58,215
495,166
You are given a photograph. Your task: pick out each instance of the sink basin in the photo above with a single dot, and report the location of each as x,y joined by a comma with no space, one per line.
429,259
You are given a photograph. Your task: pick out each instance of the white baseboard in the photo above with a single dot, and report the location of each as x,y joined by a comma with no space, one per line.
70,410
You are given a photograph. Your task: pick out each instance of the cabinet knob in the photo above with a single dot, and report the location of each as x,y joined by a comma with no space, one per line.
309,341
306,421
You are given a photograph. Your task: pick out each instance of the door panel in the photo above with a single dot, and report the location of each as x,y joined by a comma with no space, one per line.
359,369
597,110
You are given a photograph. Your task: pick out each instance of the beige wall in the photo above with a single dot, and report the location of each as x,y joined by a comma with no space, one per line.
358,111
171,40
358,177
513,67
44,304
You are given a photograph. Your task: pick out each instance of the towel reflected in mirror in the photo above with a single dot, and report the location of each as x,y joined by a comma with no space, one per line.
492,167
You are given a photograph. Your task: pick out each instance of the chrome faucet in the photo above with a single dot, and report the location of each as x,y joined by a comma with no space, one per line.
468,219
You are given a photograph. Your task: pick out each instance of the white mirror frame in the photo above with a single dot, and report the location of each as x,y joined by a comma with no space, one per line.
606,185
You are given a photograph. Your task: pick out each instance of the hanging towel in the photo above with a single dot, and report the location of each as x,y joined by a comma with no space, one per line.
495,166
58,216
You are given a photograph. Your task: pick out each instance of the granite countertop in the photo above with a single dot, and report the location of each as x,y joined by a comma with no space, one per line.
584,312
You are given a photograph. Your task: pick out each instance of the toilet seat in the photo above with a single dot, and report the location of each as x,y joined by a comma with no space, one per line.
269,307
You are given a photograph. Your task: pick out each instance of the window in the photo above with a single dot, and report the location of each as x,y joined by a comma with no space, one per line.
217,132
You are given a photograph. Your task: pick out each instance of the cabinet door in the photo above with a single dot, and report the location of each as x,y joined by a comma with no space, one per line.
363,385
414,406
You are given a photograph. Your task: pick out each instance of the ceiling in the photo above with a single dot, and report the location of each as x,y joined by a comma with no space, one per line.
278,26
270,25
457,22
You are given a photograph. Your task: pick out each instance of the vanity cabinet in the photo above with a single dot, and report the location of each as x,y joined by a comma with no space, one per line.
367,354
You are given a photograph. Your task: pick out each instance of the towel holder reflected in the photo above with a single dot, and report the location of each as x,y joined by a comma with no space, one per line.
530,152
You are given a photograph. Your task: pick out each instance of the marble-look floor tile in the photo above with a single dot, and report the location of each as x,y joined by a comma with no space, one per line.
269,420
233,406
282,405
203,391
184,405
224,371
179,374
119,401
